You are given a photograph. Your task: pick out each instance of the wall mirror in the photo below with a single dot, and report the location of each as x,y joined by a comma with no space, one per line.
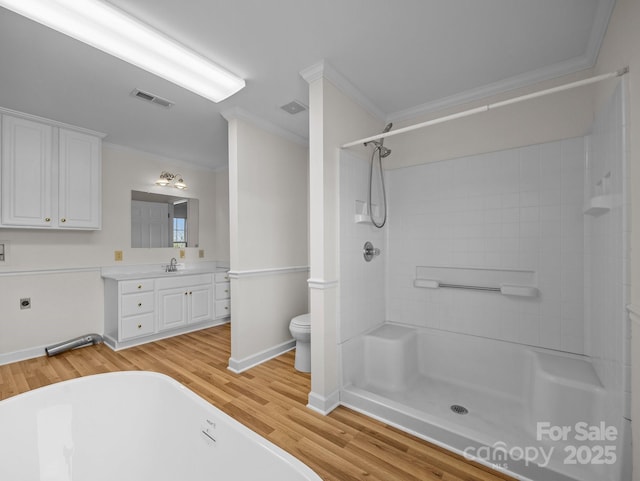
159,220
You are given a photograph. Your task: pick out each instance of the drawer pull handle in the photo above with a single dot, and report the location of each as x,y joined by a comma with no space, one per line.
139,326
226,308
139,304
190,292
226,291
186,293
63,220
226,278
139,286
47,219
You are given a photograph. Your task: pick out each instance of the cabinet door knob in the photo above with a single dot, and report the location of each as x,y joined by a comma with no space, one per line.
47,219
190,292
226,291
139,326
139,304
139,286
63,220
186,293
226,308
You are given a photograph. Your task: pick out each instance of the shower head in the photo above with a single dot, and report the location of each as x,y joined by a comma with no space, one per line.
384,152
379,143
387,128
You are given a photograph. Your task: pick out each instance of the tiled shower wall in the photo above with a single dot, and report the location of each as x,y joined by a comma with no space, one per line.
514,209
607,250
362,284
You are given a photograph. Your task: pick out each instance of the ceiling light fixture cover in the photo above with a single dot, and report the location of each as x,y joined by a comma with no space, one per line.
111,30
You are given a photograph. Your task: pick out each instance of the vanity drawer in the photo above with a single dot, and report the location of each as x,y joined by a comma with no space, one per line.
133,304
223,308
222,277
141,285
135,326
223,290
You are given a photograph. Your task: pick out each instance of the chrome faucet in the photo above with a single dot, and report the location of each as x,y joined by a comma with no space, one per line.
172,266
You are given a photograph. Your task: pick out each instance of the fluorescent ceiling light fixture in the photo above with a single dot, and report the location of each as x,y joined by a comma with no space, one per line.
111,30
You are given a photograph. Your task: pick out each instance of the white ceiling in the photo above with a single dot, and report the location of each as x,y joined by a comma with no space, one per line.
405,56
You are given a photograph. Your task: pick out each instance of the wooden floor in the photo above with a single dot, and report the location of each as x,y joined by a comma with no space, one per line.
271,400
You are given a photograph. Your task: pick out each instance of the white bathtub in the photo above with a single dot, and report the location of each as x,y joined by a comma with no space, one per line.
132,426
410,377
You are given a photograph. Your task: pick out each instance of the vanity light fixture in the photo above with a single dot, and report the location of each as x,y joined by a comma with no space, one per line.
113,31
171,180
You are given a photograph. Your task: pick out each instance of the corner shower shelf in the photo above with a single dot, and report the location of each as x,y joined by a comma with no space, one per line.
598,205
362,219
509,282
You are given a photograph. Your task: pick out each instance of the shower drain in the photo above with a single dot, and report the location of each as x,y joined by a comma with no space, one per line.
456,408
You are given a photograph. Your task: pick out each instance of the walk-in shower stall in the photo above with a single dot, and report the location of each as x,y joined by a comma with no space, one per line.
493,320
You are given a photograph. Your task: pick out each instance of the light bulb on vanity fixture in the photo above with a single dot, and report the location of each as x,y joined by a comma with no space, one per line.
171,180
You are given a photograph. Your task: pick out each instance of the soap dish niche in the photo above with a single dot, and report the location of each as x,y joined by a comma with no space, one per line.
601,201
362,212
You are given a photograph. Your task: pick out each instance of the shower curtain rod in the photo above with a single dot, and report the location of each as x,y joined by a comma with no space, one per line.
495,105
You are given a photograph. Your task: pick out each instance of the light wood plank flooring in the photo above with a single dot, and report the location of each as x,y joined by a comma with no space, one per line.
271,400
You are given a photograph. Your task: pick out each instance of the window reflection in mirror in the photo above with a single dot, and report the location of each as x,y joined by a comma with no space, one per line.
159,220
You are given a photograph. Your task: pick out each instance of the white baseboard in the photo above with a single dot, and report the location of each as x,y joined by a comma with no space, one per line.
324,405
22,355
241,365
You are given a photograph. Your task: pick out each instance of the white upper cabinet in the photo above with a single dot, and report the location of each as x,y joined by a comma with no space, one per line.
27,168
50,176
80,174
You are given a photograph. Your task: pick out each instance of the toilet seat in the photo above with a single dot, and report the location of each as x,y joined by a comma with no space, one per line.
302,322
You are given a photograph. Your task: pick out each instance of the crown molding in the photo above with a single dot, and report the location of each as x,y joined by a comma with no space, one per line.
599,29
238,113
53,123
324,69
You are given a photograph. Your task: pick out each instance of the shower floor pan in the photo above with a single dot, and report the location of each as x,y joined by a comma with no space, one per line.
478,397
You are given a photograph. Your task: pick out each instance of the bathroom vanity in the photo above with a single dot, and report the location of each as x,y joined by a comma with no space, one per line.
142,307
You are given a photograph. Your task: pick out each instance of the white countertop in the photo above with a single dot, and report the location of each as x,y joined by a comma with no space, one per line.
122,273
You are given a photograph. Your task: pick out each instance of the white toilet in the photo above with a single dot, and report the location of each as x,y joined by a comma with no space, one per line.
300,328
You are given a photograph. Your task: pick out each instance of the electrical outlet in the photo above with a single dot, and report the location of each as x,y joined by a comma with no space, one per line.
201,253
117,255
181,253
25,303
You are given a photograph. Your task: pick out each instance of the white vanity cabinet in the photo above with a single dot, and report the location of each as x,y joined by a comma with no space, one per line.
51,176
151,308
184,300
222,295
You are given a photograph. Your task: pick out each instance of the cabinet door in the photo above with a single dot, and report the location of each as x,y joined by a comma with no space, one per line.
201,299
172,308
27,161
79,200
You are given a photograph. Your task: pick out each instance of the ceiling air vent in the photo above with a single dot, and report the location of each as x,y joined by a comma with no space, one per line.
154,99
294,107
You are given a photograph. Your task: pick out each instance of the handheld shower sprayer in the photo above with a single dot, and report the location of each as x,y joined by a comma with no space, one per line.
379,144
382,153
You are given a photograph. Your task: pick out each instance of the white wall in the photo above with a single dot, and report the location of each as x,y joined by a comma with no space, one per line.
68,303
607,258
268,191
334,119
362,284
619,49
559,116
513,209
